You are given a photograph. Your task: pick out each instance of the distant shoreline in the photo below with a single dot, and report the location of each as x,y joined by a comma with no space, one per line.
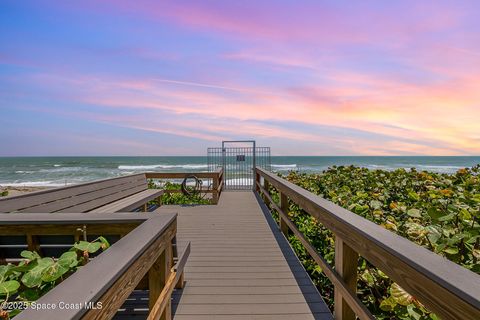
26,174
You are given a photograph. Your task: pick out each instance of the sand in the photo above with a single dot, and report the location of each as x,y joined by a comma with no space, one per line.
15,191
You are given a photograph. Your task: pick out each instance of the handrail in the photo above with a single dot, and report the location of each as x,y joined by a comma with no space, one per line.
216,176
111,277
445,288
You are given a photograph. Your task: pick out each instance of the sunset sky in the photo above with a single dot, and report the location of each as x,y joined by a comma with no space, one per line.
303,77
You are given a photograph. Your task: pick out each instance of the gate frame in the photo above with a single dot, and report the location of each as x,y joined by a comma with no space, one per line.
254,165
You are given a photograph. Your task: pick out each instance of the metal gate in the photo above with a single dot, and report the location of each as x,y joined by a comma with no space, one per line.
238,160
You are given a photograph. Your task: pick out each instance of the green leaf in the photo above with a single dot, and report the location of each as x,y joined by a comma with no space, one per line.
105,243
411,311
33,278
388,304
476,197
54,272
450,250
68,259
9,287
24,266
434,316
30,255
367,277
434,233
414,213
375,204
90,247
465,215
45,262
4,270
448,217
400,296
434,213
413,196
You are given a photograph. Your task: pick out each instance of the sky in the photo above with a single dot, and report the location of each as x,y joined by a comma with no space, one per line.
117,77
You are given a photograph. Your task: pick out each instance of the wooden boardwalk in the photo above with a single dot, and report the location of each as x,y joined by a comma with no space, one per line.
241,266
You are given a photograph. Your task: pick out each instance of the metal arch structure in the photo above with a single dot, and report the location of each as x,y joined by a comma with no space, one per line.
239,159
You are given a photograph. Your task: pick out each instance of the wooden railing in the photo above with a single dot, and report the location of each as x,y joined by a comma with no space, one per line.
142,259
445,288
215,190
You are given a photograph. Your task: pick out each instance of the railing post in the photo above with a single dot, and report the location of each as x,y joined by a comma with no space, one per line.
215,188
346,261
257,179
284,207
266,187
157,277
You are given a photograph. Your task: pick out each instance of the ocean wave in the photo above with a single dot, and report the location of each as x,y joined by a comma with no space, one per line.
438,167
284,166
63,169
35,184
57,165
21,171
162,166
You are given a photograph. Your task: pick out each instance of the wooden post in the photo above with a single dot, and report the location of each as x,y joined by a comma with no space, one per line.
33,244
157,277
257,179
266,186
215,188
284,207
346,261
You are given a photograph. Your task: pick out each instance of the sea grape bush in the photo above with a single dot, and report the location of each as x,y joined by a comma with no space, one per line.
438,211
176,198
34,276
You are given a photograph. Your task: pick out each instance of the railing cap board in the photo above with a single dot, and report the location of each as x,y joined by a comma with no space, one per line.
91,281
180,175
462,282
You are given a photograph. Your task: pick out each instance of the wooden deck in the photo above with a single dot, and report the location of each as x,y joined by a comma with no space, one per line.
241,266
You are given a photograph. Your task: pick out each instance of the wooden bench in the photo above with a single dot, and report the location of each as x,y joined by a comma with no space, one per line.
110,195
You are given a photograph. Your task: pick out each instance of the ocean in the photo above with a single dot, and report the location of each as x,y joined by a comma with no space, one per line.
60,171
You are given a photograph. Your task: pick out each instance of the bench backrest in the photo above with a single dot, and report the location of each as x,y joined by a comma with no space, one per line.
78,198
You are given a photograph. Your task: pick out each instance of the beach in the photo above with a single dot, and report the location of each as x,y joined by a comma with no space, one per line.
15,191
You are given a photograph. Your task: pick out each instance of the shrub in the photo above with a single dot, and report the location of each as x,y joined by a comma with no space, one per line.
437,211
34,276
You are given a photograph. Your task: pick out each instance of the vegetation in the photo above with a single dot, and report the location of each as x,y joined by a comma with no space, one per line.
177,198
440,212
4,193
34,276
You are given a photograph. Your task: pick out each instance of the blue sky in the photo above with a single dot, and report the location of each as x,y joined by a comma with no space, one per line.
175,77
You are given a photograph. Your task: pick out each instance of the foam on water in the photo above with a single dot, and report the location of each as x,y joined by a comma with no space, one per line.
38,184
162,166
284,166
